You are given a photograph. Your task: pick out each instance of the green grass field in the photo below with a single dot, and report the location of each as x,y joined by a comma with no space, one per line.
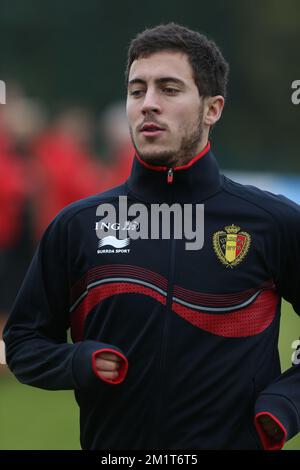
36,419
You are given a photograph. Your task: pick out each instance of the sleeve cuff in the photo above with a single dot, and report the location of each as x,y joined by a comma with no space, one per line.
282,410
267,442
122,370
83,364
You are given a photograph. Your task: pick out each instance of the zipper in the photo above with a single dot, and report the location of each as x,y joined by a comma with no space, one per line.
170,176
162,365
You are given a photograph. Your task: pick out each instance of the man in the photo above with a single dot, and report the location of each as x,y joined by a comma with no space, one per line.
174,348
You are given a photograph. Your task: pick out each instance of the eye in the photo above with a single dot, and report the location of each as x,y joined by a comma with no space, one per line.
170,90
136,93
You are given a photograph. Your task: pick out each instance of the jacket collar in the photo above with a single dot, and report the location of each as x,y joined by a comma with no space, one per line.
193,182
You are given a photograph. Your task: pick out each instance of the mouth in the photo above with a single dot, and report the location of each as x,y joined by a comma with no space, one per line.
151,129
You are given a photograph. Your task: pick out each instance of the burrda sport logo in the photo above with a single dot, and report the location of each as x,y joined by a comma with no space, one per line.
117,245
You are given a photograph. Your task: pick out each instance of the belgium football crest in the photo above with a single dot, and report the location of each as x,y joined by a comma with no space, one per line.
231,245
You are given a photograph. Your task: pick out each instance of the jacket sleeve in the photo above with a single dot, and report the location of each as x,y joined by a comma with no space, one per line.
35,336
281,399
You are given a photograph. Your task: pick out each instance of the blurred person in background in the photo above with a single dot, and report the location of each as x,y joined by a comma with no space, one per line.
64,167
21,120
118,150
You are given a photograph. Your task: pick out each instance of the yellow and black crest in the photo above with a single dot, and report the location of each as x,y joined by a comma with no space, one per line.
231,245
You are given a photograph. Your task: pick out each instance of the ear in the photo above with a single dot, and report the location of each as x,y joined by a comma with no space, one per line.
213,107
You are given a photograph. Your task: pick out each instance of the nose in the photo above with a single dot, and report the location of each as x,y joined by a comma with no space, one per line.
151,102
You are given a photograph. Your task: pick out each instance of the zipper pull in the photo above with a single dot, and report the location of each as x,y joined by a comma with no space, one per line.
170,176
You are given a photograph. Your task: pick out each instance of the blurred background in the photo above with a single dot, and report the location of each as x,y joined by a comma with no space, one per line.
64,136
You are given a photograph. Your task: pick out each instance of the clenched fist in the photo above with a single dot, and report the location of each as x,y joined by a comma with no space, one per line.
110,365
107,365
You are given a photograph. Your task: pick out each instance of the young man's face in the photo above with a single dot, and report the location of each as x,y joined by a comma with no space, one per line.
164,109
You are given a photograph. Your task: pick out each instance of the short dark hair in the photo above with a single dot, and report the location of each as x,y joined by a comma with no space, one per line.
209,66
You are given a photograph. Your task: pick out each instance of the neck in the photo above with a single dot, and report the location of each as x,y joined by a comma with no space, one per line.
181,158
186,155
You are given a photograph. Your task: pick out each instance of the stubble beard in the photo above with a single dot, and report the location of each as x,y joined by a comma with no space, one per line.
170,158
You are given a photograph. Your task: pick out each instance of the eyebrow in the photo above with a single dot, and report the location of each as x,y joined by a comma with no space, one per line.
158,81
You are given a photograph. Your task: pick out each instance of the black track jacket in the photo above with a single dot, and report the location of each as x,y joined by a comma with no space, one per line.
197,330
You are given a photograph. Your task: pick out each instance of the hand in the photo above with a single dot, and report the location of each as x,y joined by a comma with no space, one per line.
107,365
271,428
